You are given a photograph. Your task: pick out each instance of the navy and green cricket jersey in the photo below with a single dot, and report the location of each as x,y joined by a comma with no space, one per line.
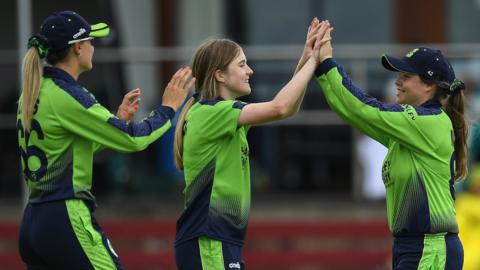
418,169
68,127
217,173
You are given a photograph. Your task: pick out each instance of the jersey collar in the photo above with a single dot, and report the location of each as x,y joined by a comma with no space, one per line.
57,73
432,103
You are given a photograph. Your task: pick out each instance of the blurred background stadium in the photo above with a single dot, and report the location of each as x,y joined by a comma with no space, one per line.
315,204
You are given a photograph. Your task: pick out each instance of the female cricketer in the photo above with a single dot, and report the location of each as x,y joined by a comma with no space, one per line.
60,127
425,134
212,149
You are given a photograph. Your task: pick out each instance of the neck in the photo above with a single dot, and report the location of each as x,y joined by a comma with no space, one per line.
70,68
225,94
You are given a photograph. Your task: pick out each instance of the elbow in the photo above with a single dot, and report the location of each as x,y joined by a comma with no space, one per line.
136,146
283,111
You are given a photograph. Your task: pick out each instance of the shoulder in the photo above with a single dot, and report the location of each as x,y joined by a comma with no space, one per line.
218,106
62,89
221,104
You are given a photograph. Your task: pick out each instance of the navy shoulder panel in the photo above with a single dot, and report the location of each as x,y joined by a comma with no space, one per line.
67,83
431,107
239,105
427,111
211,102
77,92
363,97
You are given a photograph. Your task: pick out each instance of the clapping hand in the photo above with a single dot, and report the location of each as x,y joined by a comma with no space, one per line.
129,105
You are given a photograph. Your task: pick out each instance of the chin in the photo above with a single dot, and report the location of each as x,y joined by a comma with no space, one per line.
243,92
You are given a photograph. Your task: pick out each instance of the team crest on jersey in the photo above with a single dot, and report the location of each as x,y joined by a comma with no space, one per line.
386,173
244,155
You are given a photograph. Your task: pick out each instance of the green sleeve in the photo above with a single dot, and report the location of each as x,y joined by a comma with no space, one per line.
81,114
382,122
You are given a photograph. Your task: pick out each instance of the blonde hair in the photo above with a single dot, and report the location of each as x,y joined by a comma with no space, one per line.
31,81
211,55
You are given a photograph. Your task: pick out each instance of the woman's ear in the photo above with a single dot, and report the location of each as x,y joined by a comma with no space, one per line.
219,76
431,88
77,48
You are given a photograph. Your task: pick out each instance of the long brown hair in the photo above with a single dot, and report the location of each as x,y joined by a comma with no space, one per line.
211,55
453,103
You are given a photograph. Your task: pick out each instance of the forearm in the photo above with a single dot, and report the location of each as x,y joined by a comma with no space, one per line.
291,95
300,64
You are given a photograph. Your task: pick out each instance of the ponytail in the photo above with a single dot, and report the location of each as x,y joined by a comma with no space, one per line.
179,133
38,48
31,80
454,108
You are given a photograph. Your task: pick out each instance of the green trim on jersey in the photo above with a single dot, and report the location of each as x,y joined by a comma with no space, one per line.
211,254
434,252
89,238
417,171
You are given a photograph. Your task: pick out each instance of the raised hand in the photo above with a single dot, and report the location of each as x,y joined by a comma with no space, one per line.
309,43
311,37
323,46
129,105
178,88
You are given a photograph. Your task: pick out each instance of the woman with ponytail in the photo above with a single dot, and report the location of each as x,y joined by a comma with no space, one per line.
60,128
212,150
425,134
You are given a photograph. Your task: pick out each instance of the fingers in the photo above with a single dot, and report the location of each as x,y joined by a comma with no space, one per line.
313,31
321,33
327,36
133,96
190,85
176,76
313,27
184,77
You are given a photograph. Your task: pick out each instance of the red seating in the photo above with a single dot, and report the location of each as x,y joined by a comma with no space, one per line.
317,244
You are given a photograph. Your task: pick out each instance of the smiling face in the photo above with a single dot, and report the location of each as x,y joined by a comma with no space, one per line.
412,90
234,81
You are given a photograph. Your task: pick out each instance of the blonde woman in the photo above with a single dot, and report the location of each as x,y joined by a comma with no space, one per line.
60,127
212,149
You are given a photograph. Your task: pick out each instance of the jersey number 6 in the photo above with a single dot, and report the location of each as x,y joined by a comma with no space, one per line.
32,151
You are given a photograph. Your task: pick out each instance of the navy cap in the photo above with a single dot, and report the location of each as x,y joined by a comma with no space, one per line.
429,64
64,28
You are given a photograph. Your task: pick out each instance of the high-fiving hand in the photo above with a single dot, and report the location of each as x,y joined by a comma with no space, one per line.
323,46
311,37
178,88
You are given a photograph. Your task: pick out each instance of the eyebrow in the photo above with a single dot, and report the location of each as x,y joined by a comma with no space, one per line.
243,61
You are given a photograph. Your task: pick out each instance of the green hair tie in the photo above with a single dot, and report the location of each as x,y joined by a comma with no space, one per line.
40,43
456,86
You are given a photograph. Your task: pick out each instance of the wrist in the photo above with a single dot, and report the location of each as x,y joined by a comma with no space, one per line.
174,108
325,58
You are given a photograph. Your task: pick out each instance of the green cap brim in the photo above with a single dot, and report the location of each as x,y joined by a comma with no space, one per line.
99,30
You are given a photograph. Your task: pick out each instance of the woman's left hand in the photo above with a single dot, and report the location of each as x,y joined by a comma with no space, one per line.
129,106
310,39
323,46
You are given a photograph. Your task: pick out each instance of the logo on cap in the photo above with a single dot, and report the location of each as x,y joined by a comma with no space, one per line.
411,53
79,33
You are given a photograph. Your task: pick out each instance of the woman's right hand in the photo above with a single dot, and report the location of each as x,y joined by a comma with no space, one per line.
323,46
178,88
